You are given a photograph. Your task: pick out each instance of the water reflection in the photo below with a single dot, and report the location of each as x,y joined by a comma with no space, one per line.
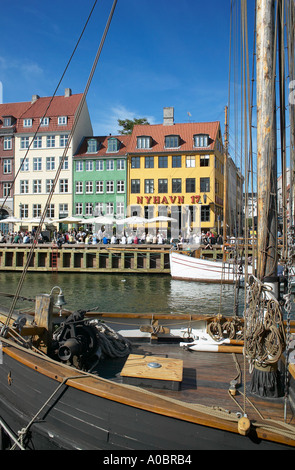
125,293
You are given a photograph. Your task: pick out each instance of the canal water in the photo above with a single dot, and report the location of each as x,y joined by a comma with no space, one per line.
125,293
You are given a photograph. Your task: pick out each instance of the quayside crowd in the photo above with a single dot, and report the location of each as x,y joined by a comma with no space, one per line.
86,237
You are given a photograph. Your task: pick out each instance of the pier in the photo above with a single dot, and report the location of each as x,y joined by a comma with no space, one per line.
149,259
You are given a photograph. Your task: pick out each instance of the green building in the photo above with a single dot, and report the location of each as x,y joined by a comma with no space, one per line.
100,177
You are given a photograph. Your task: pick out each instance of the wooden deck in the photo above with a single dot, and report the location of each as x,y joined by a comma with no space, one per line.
206,381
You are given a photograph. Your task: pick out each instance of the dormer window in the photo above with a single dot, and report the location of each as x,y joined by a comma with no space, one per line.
201,140
143,142
44,121
28,122
62,120
7,121
91,146
113,144
171,141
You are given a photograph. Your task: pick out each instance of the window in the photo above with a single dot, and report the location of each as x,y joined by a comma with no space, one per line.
64,186
120,209
149,162
50,211
176,185
44,122
7,166
23,210
7,121
24,143
135,186
79,208
88,208
65,165
37,144
205,213
121,186
62,120
50,163
79,187
37,164
149,186
99,187
135,162
162,186
201,140
172,141
28,122
113,145
50,141
163,161
120,164
49,185
98,208
36,210
91,146
99,165
110,165
63,140
7,143
63,210
109,186
24,164
89,187
204,185
24,186
109,208
6,189
143,142
89,165
176,161
205,160
190,185
190,162
36,186
79,165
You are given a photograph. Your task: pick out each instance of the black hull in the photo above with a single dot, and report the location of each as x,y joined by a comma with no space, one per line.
75,419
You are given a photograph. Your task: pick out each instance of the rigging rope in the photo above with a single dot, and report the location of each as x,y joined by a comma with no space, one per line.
76,120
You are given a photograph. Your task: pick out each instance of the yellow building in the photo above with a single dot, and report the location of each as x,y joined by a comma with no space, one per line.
177,170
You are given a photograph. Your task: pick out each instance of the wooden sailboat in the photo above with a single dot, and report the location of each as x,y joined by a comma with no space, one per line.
74,382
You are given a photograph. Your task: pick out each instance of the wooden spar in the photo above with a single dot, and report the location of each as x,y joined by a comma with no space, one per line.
266,142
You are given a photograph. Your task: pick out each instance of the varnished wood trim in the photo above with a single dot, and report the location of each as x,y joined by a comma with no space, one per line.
121,393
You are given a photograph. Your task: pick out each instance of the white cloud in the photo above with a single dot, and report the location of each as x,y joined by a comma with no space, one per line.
106,122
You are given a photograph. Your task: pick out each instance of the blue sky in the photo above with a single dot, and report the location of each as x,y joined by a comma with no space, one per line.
157,53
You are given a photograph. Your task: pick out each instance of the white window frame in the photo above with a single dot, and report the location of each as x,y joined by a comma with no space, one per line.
64,185
110,187
37,186
24,187
89,187
37,164
62,120
50,141
37,144
99,187
121,186
50,163
99,166
7,144
79,187
7,166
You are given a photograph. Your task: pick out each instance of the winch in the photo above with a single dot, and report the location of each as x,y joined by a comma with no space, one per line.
80,341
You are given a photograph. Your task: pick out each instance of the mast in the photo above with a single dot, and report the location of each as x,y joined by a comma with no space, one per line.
266,144
225,177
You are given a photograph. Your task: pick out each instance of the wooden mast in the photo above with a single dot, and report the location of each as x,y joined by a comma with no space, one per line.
266,143
225,178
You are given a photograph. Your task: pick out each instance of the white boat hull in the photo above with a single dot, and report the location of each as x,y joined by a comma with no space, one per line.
202,270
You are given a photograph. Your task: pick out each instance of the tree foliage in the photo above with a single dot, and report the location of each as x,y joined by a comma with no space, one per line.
128,124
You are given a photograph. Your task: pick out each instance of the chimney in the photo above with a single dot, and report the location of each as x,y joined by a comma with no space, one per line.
168,116
35,98
68,92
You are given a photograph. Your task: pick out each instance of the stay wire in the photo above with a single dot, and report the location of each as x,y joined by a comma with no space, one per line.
76,120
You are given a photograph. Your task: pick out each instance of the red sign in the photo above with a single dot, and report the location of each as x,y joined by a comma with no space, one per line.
166,199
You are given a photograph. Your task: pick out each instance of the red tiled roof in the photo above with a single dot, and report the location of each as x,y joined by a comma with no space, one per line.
102,150
186,131
60,106
12,109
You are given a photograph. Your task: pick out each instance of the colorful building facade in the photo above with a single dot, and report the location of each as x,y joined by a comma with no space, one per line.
100,176
177,170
